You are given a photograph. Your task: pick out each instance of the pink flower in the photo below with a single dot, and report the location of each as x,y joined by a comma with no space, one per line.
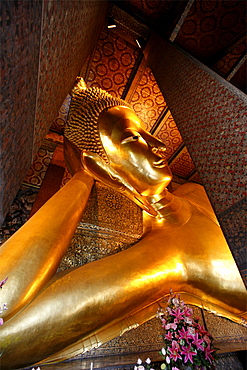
169,310
175,344
174,368
184,334
174,351
1,321
198,342
208,355
201,329
169,335
206,339
188,311
188,353
163,321
178,314
171,326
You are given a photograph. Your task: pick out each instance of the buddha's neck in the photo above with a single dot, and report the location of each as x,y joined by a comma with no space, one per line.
170,208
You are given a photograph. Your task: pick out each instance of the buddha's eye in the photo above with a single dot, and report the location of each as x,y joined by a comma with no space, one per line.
130,139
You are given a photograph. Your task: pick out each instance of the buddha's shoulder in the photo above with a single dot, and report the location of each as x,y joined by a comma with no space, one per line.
196,194
190,188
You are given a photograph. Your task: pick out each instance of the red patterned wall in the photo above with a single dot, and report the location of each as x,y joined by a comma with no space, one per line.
20,37
211,116
70,30
38,73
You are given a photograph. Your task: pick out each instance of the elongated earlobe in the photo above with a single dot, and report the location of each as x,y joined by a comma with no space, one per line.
103,172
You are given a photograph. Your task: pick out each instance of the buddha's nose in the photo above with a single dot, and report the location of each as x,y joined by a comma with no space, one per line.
160,151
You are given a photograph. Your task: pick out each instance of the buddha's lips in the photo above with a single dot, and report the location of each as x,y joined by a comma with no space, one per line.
160,164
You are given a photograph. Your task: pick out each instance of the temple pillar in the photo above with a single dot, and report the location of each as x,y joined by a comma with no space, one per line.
211,115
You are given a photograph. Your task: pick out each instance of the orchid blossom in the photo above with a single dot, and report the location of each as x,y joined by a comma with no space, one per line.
208,355
184,334
198,342
188,352
174,351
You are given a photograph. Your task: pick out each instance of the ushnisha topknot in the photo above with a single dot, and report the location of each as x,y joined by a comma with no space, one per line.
82,123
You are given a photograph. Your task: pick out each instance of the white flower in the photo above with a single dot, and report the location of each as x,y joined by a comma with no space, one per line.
148,361
163,351
188,321
175,301
168,359
139,361
191,330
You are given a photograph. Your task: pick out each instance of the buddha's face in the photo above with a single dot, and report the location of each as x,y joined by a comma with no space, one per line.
137,156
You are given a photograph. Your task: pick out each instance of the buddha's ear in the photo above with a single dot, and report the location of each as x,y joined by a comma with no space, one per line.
103,172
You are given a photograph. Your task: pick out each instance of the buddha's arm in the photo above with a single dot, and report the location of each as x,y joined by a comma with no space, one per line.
105,292
32,255
84,300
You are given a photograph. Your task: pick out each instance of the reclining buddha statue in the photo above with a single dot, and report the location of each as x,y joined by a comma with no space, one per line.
54,316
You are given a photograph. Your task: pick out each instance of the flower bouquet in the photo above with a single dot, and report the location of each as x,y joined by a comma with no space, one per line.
187,345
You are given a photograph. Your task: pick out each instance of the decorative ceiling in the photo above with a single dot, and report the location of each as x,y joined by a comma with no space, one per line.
211,31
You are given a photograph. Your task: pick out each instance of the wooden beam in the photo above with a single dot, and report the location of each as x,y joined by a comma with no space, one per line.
181,20
236,66
240,37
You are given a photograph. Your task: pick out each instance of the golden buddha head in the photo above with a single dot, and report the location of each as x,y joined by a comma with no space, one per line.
133,152
115,147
